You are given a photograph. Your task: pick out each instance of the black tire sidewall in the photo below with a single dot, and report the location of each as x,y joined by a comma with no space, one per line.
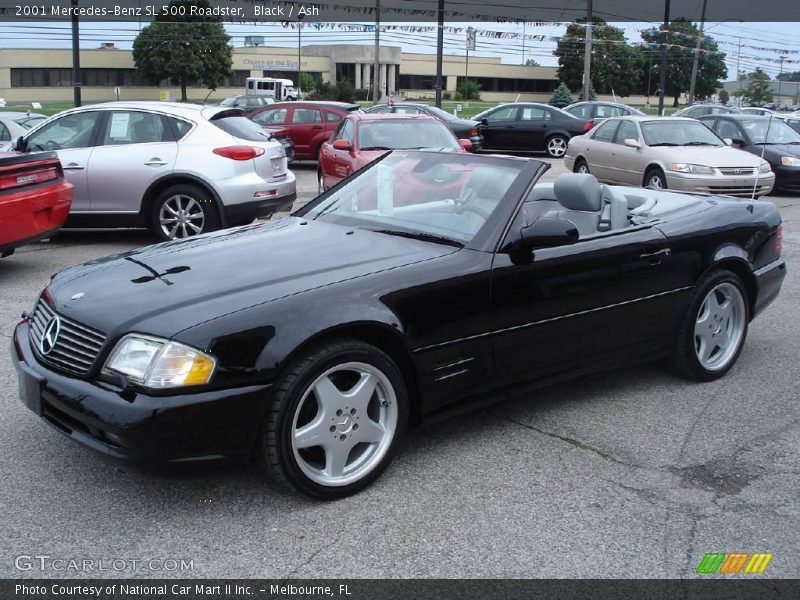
578,164
685,357
547,145
660,173
324,358
202,197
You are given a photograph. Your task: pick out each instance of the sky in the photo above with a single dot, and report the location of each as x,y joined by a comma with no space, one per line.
761,43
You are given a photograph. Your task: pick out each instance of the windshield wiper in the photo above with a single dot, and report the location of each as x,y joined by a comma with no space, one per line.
376,148
663,144
699,144
418,235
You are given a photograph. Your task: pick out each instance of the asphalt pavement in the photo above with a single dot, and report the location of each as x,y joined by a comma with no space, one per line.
631,473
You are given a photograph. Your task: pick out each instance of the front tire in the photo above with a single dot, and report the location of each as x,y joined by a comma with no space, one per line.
556,146
183,211
581,167
320,182
655,179
714,328
335,420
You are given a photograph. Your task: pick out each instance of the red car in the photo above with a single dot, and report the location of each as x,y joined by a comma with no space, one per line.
34,198
363,137
308,123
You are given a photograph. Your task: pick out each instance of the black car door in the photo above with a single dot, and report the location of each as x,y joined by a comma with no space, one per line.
530,128
600,299
498,126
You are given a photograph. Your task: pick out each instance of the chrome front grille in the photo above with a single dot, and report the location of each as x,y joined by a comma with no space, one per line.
76,346
743,171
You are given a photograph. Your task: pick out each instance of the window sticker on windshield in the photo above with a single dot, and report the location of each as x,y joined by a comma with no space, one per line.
119,126
385,199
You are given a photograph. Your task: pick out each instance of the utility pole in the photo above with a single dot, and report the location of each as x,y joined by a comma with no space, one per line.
523,43
780,82
439,53
663,82
470,44
696,64
299,40
376,76
587,52
76,57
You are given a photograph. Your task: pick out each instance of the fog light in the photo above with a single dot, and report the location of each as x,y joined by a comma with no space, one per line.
265,194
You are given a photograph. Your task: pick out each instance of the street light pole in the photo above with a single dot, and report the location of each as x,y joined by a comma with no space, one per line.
696,64
76,57
780,82
663,81
587,52
299,41
439,53
376,76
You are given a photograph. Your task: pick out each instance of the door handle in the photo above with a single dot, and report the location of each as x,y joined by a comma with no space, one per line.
654,258
73,167
316,127
155,162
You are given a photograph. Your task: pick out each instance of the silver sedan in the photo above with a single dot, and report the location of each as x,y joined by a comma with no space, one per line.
668,153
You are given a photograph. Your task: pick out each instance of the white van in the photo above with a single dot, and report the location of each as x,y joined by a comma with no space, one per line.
280,89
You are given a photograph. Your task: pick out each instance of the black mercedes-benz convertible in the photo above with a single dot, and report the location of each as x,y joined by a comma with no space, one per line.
425,283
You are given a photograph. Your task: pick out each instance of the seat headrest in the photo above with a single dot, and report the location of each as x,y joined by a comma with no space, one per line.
578,191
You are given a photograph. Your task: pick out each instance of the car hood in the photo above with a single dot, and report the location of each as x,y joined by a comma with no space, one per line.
166,288
711,156
774,152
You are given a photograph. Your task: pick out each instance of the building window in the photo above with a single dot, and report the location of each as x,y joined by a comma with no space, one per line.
504,84
346,72
36,77
417,82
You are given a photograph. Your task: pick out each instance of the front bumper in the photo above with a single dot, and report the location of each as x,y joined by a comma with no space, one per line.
722,185
769,279
787,178
153,434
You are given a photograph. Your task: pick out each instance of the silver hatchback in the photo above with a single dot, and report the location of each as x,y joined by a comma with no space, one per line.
179,169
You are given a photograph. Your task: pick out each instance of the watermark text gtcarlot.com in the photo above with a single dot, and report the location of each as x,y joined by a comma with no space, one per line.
47,563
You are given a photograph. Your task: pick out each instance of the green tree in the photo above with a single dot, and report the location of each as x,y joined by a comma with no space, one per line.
561,96
793,76
757,89
724,96
307,83
529,62
185,49
468,89
344,91
616,66
681,38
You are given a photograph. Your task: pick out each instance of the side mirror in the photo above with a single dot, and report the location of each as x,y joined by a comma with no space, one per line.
466,145
18,145
484,121
728,141
546,232
631,143
342,145
738,142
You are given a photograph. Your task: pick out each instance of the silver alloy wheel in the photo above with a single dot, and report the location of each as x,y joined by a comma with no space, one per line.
181,216
583,168
344,424
719,326
655,182
557,147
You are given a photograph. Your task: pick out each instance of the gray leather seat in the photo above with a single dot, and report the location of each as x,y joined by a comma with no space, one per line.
581,197
615,209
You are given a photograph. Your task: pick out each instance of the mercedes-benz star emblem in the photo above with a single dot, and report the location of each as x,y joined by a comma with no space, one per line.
50,336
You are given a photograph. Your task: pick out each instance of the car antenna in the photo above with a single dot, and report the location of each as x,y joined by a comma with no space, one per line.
763,150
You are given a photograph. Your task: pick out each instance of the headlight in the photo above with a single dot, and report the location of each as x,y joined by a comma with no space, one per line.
694,169
158,364
790,161
764,168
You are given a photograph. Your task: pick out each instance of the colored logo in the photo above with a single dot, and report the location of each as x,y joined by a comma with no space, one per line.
736,562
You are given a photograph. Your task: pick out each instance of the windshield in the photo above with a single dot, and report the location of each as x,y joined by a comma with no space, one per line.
29,122
445,198
679,133
771,131
405,134
441,114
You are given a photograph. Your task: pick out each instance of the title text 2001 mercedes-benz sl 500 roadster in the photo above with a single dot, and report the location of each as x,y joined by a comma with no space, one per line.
425,282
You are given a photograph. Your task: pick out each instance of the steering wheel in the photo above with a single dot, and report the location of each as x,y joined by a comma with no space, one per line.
51,145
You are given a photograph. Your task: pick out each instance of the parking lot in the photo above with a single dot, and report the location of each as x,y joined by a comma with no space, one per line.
632,473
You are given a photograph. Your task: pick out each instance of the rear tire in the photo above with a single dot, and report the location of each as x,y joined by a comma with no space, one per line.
336,417
182,211
556,146
655,179
581,167
714,329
